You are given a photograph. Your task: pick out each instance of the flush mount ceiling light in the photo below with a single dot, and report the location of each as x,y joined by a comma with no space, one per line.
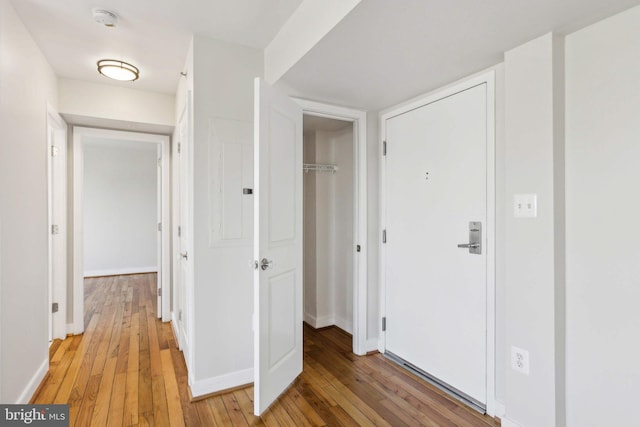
118,70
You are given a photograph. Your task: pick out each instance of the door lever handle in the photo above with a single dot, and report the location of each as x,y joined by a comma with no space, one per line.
265,263
475,238
469,245
184,255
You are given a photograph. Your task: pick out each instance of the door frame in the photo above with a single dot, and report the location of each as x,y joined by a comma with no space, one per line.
164,267
360,262
57,182
487,78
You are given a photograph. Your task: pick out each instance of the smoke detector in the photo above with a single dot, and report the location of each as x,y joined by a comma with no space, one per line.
105,17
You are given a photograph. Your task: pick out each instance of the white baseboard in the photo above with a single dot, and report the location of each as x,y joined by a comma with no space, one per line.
176,331
500,409
506,422
319,322
34,383
311,320
120,271
344,324
222,382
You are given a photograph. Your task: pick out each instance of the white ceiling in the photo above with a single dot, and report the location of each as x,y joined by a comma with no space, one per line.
385,52
154,35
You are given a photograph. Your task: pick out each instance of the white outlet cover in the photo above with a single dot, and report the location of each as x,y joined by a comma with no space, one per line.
525,205
520,360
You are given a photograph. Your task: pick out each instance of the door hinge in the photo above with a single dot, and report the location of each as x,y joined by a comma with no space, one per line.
179,148
54,151
384,236
54,307
384,148
159,292
179,231
357,248
159,226
55,229
179,314
384,324
159,161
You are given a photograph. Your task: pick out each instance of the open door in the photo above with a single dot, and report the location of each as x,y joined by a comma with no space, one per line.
159,248
180,308
57,218
57,202
277,244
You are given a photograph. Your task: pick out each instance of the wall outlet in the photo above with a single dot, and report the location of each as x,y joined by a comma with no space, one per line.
520,360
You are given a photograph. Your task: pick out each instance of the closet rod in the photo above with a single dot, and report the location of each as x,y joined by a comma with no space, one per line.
320,168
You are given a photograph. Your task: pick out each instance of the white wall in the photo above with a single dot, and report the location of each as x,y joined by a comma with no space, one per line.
27,84
342,233
222,76
328,201
309,230
534,256
95,100
603,205
374,152
501,362
325,210
120,207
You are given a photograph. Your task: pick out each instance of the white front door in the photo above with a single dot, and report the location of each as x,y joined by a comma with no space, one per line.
277,244
436,184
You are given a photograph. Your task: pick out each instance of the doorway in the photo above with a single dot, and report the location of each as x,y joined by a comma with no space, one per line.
354,172
278,237
328,217
121,200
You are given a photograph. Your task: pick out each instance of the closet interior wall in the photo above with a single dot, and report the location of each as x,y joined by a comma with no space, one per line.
328,229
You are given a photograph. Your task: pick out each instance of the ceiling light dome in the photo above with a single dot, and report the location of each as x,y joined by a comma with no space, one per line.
118,70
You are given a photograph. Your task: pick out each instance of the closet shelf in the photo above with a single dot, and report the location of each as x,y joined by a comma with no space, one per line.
320,168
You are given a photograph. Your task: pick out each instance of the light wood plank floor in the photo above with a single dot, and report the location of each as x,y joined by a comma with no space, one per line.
126,370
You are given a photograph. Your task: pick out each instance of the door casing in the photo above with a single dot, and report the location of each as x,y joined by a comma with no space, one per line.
489,79
360,262
164,267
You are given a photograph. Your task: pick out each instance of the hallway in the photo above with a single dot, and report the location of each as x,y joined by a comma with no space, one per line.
126,370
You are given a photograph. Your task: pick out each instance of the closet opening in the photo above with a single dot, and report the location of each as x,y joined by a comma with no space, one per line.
330,222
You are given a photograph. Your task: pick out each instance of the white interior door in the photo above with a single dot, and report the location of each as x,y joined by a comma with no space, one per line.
277,244
436,184
159,230
183,223
58,225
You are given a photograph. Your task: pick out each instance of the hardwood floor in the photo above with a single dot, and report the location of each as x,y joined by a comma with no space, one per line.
126,370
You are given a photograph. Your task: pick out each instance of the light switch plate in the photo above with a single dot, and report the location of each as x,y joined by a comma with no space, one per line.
525,205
